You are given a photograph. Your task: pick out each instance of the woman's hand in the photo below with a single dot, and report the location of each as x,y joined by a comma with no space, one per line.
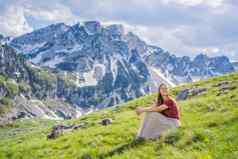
153,108
139,110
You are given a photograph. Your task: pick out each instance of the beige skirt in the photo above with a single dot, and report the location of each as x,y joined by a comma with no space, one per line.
154,124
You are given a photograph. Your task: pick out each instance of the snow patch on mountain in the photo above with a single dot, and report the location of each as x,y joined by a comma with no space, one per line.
99,71
51,63
159,77
27,48
85,79
113,60
235,65
37,59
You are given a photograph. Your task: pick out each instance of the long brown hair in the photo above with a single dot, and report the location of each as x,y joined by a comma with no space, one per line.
160,100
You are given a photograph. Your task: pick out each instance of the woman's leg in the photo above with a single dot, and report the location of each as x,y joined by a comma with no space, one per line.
151,126
154,124
141,131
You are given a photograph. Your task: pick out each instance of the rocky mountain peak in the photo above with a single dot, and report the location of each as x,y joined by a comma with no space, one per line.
92,27
111,64
1,36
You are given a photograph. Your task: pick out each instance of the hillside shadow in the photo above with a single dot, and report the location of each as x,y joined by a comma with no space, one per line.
121,148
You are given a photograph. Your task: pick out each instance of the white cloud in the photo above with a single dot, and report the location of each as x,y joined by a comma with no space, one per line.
13,22
55,13
160,36
183,27
189,3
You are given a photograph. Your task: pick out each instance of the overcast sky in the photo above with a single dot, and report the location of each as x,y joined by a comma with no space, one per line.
182,27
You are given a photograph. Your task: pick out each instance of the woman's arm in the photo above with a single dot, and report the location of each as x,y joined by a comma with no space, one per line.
153,108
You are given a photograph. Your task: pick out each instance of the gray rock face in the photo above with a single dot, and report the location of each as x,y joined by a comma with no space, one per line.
91,66
235,65
79,48
106,69
24,108
48,93
12,64
183,69
26,94
185,94
1,37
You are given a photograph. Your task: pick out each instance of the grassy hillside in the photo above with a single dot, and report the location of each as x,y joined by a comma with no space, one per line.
209,130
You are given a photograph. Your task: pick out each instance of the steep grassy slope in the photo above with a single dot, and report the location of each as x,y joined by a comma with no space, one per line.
209,130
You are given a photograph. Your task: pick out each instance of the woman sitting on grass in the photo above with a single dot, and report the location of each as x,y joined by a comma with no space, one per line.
163,115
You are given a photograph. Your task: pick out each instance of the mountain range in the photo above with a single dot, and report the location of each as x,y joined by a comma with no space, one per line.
92,66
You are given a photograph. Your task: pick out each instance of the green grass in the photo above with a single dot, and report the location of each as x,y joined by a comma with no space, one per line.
209,131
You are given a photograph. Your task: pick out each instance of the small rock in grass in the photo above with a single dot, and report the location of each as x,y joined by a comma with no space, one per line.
106,121
222,92
221,84
226,87
184,94
79,126
58,130
211,109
